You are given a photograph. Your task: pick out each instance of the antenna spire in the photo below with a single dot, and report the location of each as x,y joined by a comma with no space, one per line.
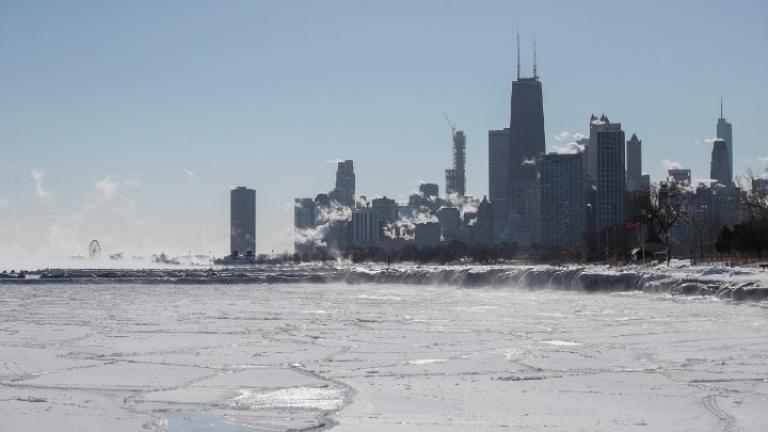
535,72
518,55
721,107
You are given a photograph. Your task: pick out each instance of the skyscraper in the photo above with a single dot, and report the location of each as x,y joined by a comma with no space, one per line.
498,180
526,145
590,151
720,165
725,132
455,177
366,226
563,200
303,222
345,183
242,221
611,177
482,230
634,164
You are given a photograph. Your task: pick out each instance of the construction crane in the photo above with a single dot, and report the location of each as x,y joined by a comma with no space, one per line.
452,126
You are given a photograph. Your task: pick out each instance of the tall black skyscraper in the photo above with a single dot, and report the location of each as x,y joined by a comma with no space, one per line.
634,164
498,181
725,132
526,145
344,192
611,175
720,165
242,220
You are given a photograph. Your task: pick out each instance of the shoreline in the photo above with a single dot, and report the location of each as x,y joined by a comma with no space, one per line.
739,284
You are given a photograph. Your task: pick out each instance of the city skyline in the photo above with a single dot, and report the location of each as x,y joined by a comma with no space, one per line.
75,200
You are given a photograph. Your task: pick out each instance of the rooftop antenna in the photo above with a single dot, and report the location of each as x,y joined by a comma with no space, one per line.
721,107
535,73
518,55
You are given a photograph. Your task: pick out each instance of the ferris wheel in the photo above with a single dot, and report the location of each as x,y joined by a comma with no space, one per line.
94,249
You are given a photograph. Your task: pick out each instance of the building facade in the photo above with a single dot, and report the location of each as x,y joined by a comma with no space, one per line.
481,231
303,223
498,181
526,145
611,176
242,221
427,234
634,164
720,164
366,227
725,132
345,183
563,200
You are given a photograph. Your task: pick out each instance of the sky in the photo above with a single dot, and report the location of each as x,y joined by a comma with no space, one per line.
129,122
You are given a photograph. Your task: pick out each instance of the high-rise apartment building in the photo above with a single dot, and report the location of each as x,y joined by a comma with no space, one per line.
242,221
345,183
611,176
563,200
634,164
303,222
366,227
498,181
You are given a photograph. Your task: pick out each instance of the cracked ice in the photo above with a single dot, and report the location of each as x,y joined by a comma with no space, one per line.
371,357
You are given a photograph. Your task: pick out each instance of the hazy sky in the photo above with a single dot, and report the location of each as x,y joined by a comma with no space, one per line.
129,122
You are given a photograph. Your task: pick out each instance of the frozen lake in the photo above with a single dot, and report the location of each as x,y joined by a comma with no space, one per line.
373,357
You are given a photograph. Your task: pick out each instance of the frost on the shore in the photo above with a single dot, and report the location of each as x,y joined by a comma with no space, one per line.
725,283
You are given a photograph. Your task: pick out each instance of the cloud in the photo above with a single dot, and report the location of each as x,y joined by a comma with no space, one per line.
709,140
569,148
325,217
566,136
4,203
763,159
528,162
189,173
405,226
107,186
670,164
37,177
334,161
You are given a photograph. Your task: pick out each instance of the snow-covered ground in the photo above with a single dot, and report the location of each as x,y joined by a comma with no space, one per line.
377,357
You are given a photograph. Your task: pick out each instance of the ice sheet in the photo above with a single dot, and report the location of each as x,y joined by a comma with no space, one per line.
421,358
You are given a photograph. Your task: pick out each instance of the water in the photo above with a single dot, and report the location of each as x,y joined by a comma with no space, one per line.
376,357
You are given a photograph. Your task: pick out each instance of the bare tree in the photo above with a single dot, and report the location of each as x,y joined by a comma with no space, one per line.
756,201
662,208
